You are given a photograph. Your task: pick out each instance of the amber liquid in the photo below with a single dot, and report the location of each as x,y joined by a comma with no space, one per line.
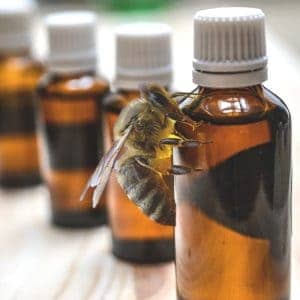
69,121
233,223
136,238
19,165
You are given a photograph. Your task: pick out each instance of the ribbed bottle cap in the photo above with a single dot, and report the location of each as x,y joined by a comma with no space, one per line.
143,55
15,24
71,41
229,47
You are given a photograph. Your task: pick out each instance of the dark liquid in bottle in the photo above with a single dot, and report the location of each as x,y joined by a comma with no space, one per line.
233,224
19,164
72,144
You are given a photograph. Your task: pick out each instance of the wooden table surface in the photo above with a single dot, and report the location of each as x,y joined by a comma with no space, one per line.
38,261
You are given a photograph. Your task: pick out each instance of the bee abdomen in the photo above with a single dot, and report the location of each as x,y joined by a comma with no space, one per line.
148,190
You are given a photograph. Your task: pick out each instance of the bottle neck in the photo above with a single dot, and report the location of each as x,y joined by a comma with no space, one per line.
230,80
71,65
57,75
129,93
256,89
15,53
134,81
136,91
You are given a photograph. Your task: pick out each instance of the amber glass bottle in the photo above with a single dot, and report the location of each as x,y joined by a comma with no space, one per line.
19,74
233,223
70,98
136,238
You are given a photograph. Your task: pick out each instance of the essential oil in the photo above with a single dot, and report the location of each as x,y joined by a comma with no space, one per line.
19,74
70,97
233,219
143,54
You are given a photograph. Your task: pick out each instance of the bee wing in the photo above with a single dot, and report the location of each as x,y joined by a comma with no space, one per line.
102,172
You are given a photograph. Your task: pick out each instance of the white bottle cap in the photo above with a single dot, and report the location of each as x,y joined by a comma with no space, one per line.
71,41
15,24
143,55
229,47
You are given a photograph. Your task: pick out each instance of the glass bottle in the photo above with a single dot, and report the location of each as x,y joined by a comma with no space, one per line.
19,74
136,238
233,219
70,97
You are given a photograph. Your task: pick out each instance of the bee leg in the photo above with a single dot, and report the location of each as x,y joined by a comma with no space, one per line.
180,135
176,116
186,123
194,125
180,142
182,170
143,163
185,95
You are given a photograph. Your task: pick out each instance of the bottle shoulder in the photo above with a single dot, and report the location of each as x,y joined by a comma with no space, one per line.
72,85
19,63
281,108
18,72
234,106
116,101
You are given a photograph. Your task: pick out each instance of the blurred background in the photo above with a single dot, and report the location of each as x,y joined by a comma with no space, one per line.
40,262
282,23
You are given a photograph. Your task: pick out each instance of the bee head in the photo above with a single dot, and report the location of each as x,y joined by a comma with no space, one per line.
159,98
156,96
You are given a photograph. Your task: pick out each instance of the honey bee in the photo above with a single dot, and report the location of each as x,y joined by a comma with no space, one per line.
141,156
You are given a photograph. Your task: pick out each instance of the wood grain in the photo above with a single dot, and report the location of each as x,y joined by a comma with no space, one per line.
38,261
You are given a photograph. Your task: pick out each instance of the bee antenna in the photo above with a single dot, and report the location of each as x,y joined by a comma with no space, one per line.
188,95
